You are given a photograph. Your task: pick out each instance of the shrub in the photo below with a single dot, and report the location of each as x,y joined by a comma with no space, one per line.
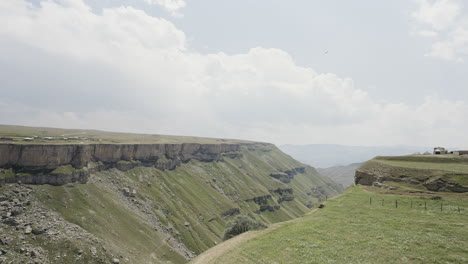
241,224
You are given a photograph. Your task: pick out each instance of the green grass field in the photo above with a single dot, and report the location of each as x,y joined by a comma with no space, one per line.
448,163
18,133
350,230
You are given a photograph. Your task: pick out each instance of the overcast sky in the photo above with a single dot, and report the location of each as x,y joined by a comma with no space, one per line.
367,72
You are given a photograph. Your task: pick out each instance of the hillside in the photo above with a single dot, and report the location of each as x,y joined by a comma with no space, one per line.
343,175
416,173
351,230
329,155
143,203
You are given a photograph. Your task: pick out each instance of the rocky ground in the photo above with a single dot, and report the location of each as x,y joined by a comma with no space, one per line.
31,233
143,207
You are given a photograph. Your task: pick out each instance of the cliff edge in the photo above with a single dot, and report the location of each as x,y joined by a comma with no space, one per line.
60,164
416,173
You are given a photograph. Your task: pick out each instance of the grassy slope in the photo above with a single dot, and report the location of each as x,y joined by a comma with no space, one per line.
95,136
349,230
450,168
99,212
196,192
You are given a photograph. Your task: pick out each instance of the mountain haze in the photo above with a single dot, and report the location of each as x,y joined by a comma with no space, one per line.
343,175
329,155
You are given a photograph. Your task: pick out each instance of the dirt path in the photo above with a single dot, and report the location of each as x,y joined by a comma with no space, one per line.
215,252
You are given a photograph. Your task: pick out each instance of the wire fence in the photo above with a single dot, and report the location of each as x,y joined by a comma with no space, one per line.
434,203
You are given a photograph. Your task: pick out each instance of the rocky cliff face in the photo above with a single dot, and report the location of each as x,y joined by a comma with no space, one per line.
409,175
36,163
366,178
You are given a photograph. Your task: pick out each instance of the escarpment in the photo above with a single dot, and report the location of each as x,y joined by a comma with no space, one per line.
37,164
415,173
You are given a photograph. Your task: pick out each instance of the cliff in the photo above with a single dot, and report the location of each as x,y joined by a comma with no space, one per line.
36,163
416,173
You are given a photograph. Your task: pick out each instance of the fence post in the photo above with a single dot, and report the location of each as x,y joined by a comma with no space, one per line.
370,200
396,203
425,205
458,208
383,202
441,206
411,203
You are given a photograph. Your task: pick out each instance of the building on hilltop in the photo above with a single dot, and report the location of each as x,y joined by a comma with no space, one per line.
440,151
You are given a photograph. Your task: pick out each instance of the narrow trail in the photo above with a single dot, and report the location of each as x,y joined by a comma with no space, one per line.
215,252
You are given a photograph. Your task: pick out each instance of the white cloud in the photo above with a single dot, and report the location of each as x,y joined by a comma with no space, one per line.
448,28
124,70
171,6
86,35
428,33
440,14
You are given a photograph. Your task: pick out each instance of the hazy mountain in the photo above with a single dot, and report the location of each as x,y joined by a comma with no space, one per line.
328,155
343,175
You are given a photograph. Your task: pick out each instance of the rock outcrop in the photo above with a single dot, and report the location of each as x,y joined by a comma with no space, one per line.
52,156
366,178
389,176
287,175
34,164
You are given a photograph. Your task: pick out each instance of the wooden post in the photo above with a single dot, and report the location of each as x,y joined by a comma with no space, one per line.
396,203
425,205
441,206
370,200
411,203
458,208
383,202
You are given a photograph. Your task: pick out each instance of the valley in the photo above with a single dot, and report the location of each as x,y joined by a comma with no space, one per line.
143,203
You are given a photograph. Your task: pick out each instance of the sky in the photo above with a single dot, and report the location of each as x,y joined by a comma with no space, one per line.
361,72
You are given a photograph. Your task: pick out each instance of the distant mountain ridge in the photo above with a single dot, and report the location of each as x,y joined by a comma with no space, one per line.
330,155
343,175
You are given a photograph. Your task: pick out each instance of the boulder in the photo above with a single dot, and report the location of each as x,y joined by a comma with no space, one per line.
28,230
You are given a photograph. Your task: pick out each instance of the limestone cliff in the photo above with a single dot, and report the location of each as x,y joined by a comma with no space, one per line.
415,173
36,163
